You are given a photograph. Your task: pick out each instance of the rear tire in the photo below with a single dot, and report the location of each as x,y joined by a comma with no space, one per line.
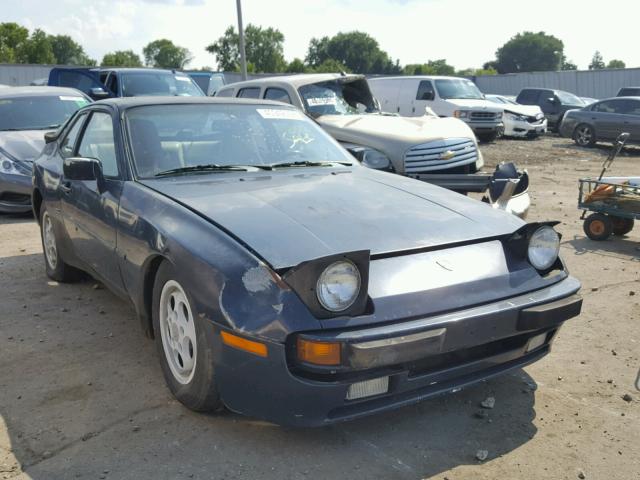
584,135
55,266
598,226
184,344
622,226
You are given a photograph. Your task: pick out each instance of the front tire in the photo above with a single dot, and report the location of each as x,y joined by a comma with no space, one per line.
598,226
55,266
584,135
184,344
487,137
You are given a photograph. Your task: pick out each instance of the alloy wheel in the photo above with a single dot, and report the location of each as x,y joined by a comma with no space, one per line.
49,241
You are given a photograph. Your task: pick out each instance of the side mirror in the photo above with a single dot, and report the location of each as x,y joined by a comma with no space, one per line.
51,137
98,93
82,169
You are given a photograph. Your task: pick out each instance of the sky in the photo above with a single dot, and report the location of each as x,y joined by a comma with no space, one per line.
464,32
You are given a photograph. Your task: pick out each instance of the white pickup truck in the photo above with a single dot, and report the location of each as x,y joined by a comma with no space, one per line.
447,96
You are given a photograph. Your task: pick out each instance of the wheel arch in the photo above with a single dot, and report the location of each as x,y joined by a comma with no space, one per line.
149,277
36,202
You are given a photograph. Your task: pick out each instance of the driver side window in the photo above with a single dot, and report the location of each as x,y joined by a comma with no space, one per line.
97,142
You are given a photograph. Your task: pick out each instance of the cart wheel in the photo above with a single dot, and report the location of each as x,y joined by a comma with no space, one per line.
598,226
621,226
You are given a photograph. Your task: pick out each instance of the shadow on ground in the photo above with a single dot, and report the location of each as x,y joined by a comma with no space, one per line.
626,247
82,396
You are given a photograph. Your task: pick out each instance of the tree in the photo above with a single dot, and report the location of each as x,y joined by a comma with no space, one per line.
12,38
164,53
530,52
121,58
358,51
263,48
567,64
296,66
476,72
68,52
37,49
616,64
432,67
331,65
597,62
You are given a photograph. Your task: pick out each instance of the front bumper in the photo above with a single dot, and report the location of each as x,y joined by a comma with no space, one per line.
524,129
422,357
485,127
15,193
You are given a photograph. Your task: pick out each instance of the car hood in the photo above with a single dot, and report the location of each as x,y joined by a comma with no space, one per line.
475,104
292,216
527,110
23,145
392,134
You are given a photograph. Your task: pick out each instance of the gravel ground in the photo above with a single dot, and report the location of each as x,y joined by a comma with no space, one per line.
82,394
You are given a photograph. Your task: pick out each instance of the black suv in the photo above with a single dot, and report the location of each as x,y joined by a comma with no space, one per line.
554,103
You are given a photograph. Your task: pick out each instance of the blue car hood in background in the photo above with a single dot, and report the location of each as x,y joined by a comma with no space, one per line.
291,216
22,144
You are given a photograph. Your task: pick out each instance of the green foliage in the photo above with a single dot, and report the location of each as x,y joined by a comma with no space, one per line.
529,52
37,49
12,38
358,51
567,64
163,53
68,52
597,62
432,67
331,65
615,63
476,72
296,66
121,58
263,48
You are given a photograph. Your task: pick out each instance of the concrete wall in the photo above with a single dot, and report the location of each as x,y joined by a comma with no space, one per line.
584,83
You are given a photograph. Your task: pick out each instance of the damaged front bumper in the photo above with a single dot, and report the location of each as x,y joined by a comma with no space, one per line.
15,193
411,360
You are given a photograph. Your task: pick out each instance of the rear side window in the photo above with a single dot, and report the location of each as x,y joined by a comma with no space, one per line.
225,93
250,92
528,97
629,92
425,91
632,107
277,94
605,107
97,142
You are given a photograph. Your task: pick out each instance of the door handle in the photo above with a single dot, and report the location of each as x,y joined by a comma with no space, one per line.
66,188
398,109
413,110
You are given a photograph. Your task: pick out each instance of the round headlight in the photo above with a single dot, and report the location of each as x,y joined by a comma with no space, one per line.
375,159
338,286
544,246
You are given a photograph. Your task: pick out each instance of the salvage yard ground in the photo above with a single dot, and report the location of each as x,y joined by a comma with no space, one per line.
82,394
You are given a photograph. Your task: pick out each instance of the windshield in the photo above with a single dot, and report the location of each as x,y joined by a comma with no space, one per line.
38,112
338,97
159,83
567,98
165,137
458,88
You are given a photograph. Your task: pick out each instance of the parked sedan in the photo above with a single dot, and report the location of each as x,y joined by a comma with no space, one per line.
603,121
26,113
281,278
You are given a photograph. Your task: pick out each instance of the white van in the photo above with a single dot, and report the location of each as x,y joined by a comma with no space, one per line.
446,96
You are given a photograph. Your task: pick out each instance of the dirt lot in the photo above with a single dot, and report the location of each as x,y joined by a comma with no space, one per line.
82,394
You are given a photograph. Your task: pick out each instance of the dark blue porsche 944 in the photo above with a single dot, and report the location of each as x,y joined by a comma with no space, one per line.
278,276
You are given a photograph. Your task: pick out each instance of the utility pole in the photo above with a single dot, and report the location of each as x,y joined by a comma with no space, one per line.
243,58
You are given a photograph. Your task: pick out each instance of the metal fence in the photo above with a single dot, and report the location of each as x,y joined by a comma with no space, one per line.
17,75
584,83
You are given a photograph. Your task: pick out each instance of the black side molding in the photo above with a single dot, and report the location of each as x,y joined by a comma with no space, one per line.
549,314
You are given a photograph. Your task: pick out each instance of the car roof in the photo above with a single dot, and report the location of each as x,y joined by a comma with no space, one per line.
39,92
139,70
130,102
420,77
294,80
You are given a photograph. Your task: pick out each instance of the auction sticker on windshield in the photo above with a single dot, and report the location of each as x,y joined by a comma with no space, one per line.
279,114
81,102
321,101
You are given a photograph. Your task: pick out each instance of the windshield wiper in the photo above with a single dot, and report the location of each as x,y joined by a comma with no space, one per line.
306,163
212,167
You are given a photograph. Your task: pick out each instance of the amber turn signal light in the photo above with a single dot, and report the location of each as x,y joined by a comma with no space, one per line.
240,343
318,353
